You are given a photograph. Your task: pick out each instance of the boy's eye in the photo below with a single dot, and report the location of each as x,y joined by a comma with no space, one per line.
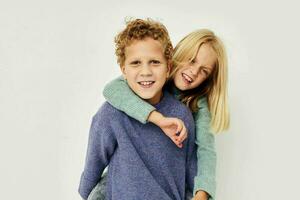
155,62
136,62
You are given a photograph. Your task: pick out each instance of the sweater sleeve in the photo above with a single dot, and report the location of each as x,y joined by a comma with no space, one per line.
206,153
191,161
101,145
119,95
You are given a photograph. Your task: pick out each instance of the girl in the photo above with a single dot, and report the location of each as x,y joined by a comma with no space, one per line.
199,80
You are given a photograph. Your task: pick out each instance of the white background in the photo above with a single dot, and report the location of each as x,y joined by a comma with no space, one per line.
56,56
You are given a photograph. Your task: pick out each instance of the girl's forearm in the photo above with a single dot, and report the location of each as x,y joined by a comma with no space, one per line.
155,117
119,95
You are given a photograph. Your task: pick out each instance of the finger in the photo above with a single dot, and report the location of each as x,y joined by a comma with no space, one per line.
179,126
176,142
180,145
183,135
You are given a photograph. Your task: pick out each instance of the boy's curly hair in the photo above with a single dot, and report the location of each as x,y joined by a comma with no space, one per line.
139,29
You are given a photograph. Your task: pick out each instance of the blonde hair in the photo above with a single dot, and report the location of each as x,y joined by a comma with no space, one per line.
215,86
139,29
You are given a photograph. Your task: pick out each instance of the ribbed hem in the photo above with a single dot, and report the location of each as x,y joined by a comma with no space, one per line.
142,112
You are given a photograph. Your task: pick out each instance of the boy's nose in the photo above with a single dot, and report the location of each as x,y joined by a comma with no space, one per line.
146,71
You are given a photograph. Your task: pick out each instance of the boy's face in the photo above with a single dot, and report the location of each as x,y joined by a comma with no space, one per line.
146,69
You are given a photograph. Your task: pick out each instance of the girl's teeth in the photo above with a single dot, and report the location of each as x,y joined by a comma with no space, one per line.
187,78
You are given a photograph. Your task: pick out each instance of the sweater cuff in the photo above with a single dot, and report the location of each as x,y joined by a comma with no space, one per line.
142,112
209,186
85,187
139,111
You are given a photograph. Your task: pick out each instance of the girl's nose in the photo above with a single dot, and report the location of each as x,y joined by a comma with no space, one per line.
194,70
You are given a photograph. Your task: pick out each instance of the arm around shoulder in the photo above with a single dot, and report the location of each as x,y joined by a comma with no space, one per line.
119,95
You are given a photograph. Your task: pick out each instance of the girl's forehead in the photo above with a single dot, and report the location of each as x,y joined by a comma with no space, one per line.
206,53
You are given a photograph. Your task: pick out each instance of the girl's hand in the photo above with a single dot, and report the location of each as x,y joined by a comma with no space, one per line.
200,195
174,128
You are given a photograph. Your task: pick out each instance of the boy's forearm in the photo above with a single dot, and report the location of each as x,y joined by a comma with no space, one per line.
101,146
91,174
86,186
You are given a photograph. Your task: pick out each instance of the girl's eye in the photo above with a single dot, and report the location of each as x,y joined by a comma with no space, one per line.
155,62
193,61
205,72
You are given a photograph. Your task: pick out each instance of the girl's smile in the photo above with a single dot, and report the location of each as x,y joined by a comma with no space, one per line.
186,78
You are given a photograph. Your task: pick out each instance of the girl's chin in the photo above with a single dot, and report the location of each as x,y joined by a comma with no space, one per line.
184,85
181,84
181,87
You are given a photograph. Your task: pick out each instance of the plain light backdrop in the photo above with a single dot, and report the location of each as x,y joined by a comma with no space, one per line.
56,56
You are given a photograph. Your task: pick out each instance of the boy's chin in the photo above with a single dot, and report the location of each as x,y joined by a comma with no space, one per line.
148,96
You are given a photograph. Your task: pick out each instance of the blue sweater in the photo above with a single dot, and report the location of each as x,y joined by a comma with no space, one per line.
143,162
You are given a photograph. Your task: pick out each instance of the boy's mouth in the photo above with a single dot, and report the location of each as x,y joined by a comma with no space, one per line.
146,84
187,78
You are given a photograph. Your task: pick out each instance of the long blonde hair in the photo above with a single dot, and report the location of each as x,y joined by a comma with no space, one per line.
215,86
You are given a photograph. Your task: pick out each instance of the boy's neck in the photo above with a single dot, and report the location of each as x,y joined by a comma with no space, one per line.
156,99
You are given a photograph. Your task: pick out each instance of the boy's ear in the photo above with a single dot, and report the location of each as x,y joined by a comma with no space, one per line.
169,66
123,71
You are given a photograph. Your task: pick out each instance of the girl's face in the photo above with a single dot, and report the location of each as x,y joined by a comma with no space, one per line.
191,74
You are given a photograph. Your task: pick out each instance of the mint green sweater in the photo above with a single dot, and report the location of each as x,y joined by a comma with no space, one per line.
119,94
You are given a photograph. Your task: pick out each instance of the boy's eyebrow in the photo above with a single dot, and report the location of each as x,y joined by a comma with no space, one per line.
134,61
159,59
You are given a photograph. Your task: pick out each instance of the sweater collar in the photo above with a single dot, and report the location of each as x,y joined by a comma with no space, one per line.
162,101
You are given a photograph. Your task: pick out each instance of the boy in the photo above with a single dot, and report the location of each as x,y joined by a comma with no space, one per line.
143,162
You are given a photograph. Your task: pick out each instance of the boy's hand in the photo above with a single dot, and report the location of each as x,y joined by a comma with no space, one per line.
200,195
174,128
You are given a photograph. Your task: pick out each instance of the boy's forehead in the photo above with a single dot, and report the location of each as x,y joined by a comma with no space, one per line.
135,41
145,47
